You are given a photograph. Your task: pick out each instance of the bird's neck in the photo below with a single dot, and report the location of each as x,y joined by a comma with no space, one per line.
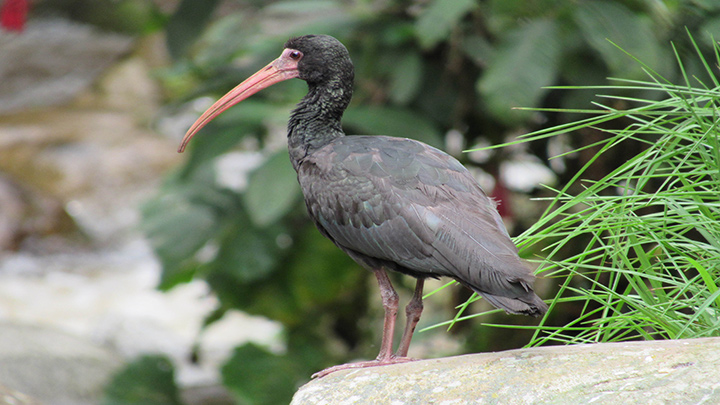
316,120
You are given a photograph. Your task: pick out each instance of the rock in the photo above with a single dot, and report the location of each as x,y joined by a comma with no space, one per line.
52,366
10,396
649,372
26,214
85,165
52,60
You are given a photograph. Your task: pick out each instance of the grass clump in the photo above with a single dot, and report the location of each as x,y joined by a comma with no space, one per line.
636,253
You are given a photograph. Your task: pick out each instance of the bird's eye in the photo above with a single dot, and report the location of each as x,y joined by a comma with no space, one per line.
295,55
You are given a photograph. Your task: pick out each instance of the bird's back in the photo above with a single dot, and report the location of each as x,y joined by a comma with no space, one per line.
402,204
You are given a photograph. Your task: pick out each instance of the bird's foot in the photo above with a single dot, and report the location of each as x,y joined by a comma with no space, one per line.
363,364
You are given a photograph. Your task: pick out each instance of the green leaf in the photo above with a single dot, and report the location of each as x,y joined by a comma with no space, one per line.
391,121
707,278
478,48
302,7
320,273
710,30
439,18
177,228
405,78
272,190
246,252
525,62
187,24
259,377
182,218
604,23
146,381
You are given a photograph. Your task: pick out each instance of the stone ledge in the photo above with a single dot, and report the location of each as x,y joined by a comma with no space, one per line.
51,366
649,372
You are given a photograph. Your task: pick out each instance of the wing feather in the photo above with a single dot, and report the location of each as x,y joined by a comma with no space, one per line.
411,206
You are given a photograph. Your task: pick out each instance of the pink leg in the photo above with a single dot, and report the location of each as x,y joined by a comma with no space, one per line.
390,303
412,312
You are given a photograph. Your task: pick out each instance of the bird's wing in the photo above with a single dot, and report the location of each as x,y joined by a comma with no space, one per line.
404,202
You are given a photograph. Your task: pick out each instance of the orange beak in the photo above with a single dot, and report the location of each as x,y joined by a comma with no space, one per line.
282,68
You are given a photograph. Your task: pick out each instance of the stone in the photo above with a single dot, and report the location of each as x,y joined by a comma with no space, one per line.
53,366
648,372
13,397
52,60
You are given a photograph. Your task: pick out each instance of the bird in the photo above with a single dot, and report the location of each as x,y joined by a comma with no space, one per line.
389,203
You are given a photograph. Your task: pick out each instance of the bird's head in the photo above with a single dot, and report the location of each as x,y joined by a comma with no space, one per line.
322,58
317,59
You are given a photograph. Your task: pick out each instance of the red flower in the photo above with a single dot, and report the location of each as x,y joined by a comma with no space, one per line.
13,14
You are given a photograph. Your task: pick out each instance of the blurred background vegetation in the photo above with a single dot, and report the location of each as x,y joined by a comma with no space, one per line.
447,72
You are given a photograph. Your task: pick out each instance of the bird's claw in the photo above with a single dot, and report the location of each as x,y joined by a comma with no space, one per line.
363,364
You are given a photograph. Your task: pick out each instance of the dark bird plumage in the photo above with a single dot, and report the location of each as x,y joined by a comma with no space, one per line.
388,202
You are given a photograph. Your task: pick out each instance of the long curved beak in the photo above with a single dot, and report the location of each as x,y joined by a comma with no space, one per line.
282,68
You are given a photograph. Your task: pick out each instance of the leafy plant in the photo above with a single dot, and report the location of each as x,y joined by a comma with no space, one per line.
650,229
147,380
423,69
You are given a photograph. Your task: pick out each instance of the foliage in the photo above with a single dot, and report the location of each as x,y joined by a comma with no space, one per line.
147,380
649,267
423,69
130,17
248,370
